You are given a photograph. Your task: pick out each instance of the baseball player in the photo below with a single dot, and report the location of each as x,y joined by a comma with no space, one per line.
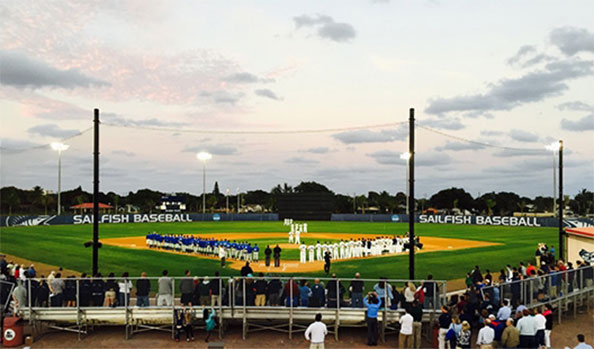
302,253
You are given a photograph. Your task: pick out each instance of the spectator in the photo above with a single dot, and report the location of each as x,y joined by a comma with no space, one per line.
444,324
334,292
291,293
428,288
274,289
70,291
179,323
548,314
318,294
372,303
143,288
250,290
188,318
527,327
488,276
246,269
210,322
510,338
486,336
416,311
455,329
498,327
110,283
204,291
382,291
261,287
476,275
356,288
84,290
405,336
97,290
409,294
316,332
468,281
57,289
19,296
463,340
125,286
165,297
215,290
186,287
327,261
582,342
304,293
504,312
110,297
540,327
31,271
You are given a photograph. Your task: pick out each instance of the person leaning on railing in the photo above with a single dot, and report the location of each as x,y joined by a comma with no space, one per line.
143,288
165,296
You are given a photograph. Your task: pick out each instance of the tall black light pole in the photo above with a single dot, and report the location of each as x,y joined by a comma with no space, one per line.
411,194
96,193
561,202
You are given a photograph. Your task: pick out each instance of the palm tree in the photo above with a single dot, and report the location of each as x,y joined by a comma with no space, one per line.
490,204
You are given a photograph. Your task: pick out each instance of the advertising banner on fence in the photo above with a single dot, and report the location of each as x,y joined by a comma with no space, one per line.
13,221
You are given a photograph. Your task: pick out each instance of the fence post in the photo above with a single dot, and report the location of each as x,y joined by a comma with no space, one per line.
290,308
337,315
78,306
126,295
244,332
29,298
173,307
220,308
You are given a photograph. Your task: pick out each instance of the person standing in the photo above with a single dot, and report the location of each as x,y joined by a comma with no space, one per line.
57,289
540,328
302,253
215,290
277,255
222,254
188,324
510,338
486,336
246,269
165,290
372,303
125,286
297,237
186,287
143,287
327,259
429,291
267,254
548,314
405,336
356,288
416,311
582,342
316,332
311,249
463,340
527,327
204,291
318,294
210,321
445,319
19,296
261,287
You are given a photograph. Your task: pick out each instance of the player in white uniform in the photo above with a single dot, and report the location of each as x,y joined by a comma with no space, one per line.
335,250
318,251
302,253
311,249
305,227
297,238
342,251
291,237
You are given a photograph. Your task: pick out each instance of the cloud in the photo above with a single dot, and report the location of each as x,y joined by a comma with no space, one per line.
267,94
522,51
214,149
458,146
523,136
576,105
571,40
444,123
317,150
301,161
506,153
223,97
368,136
245,78
11,144
388,157
490,133
52,130
21,71
119,120
123,153
510,93
327,27
584,124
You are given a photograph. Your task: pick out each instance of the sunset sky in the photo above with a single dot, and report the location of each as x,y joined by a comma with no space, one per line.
167,74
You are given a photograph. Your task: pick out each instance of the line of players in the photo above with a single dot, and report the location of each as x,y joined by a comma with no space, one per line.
222,249
349,249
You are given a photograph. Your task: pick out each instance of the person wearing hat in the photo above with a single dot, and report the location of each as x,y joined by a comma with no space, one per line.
498,327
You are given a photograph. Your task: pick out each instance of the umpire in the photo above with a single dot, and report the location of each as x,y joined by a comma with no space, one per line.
267,253
277,253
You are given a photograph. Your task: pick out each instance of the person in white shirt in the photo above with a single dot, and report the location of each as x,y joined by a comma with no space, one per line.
486,336
582,340
290,237
527,327
541,322
311,249
305,227
302,253
341,250
318,251
297,238
405,338
335,250
316,332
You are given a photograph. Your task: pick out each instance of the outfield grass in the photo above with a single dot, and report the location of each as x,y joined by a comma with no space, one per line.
63,246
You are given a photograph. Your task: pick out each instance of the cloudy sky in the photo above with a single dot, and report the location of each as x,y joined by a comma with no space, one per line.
244,79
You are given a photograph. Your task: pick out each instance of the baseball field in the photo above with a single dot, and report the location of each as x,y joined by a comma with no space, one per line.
450,251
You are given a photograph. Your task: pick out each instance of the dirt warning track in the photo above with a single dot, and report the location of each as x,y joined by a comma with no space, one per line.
430,244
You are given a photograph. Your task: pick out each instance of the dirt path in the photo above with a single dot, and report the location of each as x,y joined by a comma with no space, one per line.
430,244
40,268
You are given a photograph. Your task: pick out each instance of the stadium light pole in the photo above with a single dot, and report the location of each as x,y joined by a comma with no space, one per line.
561,202
411,194
554,148
203,156
227,201
59,147
238,198
406,157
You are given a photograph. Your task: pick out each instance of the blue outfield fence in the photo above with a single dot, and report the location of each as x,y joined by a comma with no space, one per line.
13,221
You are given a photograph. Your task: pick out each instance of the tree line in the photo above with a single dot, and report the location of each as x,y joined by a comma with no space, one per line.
453,200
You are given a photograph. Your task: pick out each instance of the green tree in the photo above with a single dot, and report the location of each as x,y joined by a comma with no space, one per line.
490,205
